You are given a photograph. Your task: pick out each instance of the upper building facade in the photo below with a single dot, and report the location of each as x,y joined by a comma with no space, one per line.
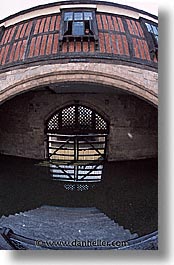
79,31
94,53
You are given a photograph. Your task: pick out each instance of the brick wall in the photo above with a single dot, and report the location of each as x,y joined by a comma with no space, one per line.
133,123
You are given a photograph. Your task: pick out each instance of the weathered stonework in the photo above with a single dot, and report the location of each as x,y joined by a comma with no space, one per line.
140,82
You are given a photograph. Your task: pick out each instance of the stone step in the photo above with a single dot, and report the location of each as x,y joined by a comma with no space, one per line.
58,214
56,219
84,223
110,228
72,236
73,232
63,226
72,210
67,209
61,223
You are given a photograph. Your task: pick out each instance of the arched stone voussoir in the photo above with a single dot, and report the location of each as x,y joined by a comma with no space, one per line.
140,82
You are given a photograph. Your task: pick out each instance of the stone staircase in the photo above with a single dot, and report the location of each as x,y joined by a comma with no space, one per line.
54,224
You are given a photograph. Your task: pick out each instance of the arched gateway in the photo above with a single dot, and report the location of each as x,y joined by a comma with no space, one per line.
76,144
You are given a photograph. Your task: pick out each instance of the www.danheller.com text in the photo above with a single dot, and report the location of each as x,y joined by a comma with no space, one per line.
80,243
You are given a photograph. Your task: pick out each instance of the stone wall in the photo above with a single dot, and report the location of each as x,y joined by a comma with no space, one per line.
133,123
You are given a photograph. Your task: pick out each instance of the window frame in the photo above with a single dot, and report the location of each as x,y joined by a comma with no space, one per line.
92,25
151,40
151,26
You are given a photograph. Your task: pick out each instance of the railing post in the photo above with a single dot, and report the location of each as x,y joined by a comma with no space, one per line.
5,233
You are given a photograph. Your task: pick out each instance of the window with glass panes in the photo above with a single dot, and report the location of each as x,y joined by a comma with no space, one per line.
153,29
78,23
152,38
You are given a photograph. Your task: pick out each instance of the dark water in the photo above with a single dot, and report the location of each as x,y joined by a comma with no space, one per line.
128,193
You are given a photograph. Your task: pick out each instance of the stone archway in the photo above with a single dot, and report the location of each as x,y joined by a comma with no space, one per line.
140,82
